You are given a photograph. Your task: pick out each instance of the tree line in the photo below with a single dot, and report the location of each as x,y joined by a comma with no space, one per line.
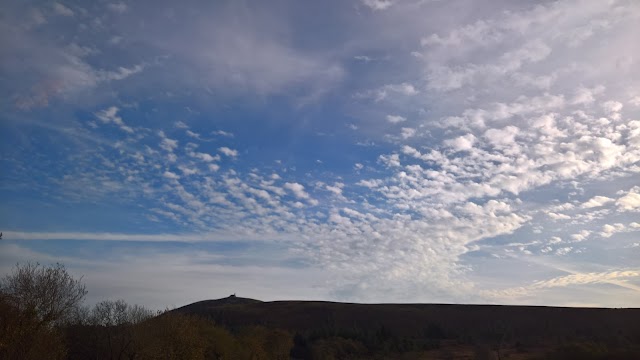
42,316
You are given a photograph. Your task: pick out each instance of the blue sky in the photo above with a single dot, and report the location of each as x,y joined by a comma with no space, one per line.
371,151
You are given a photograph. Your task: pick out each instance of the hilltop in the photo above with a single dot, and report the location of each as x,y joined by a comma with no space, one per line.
204,306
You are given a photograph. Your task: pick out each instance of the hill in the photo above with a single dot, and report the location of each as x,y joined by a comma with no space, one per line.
406,327
203,307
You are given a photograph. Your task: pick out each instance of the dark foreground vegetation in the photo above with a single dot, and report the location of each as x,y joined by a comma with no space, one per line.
42,317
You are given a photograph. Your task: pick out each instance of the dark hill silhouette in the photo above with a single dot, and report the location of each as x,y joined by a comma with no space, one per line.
528,326
208,306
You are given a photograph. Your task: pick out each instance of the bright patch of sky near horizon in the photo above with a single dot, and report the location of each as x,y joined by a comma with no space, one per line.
372,151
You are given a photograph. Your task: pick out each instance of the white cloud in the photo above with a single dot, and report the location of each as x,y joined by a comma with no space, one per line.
206,157
461,143
299,192
502,137
613,277
403,88
62,10
585,95
609,230
392,160
228,152
407,132
187,171
180,125
336,188
115,40
388,90
110,115
394,119
564,250
555,240
170,175
222,133
586,278
612,106
169,144
363,58
369,183
557,216
120,73
630,201
581,236
377,4
596,201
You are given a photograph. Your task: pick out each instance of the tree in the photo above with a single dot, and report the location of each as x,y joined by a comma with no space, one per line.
50,293
112,326
118,312
171,336
33,300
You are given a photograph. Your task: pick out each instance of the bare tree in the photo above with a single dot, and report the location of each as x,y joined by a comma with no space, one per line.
33,300
50,293
115,313
113,325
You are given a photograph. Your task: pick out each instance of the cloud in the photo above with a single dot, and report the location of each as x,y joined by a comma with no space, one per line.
62,10
170,175
118,7
596,201
180,125
222,133
377,4
461,143
205,157
335,189
385,91
614,277
564,250
120,73
581,236
185,275
364,58
394,119
299,192
228,152
407,132
609,230
21,235
224,62
557,216
630,201
586,278
169,144
224,38
110,116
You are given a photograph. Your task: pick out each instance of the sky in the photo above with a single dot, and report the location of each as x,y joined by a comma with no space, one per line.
362,150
